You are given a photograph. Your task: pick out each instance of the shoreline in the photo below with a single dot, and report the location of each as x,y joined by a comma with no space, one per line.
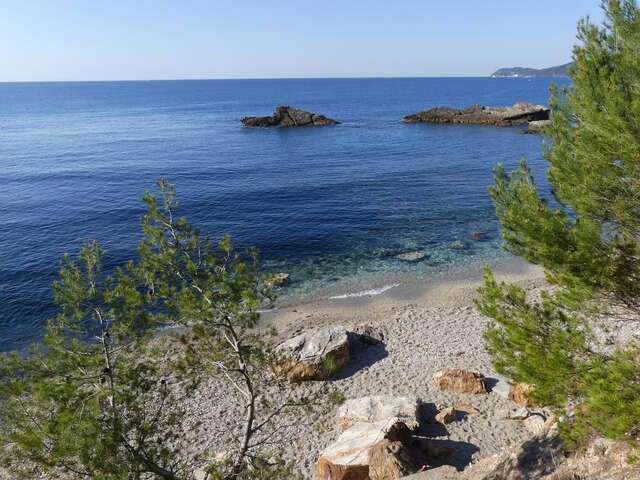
446,290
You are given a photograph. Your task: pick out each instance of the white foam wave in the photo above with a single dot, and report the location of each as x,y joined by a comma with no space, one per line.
366,293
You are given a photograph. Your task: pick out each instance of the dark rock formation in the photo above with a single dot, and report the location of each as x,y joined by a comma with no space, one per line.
519,113
285,116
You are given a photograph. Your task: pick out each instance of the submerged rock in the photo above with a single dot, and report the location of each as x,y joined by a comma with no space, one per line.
313,355
517,114
278,279
411,256
285,116
457,245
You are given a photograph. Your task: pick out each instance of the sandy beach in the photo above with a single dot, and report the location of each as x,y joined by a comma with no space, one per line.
427,326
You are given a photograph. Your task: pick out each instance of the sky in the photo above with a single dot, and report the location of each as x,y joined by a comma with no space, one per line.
60,40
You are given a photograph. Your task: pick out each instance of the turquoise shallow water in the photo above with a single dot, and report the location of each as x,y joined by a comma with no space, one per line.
332,206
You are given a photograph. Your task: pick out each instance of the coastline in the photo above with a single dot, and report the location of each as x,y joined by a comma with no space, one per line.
427,326
448,290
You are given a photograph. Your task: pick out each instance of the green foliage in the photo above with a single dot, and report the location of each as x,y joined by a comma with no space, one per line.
100,397
87,401
534,343
589,246
611,403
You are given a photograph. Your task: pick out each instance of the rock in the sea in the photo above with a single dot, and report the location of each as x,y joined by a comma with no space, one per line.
379,408
348,457
447,415
411,256
517,114
285,116
457,245
278,279
313,355
478,235
459,381
537,126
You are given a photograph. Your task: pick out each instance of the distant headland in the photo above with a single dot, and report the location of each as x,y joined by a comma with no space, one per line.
559,71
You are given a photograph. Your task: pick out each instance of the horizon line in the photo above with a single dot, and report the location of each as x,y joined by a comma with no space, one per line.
366,77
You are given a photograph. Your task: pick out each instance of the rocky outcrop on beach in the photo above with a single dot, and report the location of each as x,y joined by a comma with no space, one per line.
544,457
313,355
517,114
376,408
377,440
285,116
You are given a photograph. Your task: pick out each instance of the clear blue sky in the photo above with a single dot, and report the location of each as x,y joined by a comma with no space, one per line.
161,39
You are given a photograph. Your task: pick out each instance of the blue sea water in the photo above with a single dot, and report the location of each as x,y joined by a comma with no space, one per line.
332,205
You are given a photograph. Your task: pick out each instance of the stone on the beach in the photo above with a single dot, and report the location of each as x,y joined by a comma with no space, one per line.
348,457
466,408
391,460
447,415
459,381
535,424
501,386
520,413
517,114
369,334
285,116
411,256
379,408
521,394
313,355
277,279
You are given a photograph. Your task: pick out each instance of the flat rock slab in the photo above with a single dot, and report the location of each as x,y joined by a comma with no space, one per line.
517,114
285,116
459,381
313,355
379,408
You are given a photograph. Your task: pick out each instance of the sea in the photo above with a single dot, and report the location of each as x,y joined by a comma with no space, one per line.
331,206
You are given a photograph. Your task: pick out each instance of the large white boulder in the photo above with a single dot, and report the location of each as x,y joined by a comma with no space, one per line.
313,355
348,457
377,408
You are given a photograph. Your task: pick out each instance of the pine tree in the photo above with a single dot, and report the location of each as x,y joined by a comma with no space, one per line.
101,396
589,245
91,401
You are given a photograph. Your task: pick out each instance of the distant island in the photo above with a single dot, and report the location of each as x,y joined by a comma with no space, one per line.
559,71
